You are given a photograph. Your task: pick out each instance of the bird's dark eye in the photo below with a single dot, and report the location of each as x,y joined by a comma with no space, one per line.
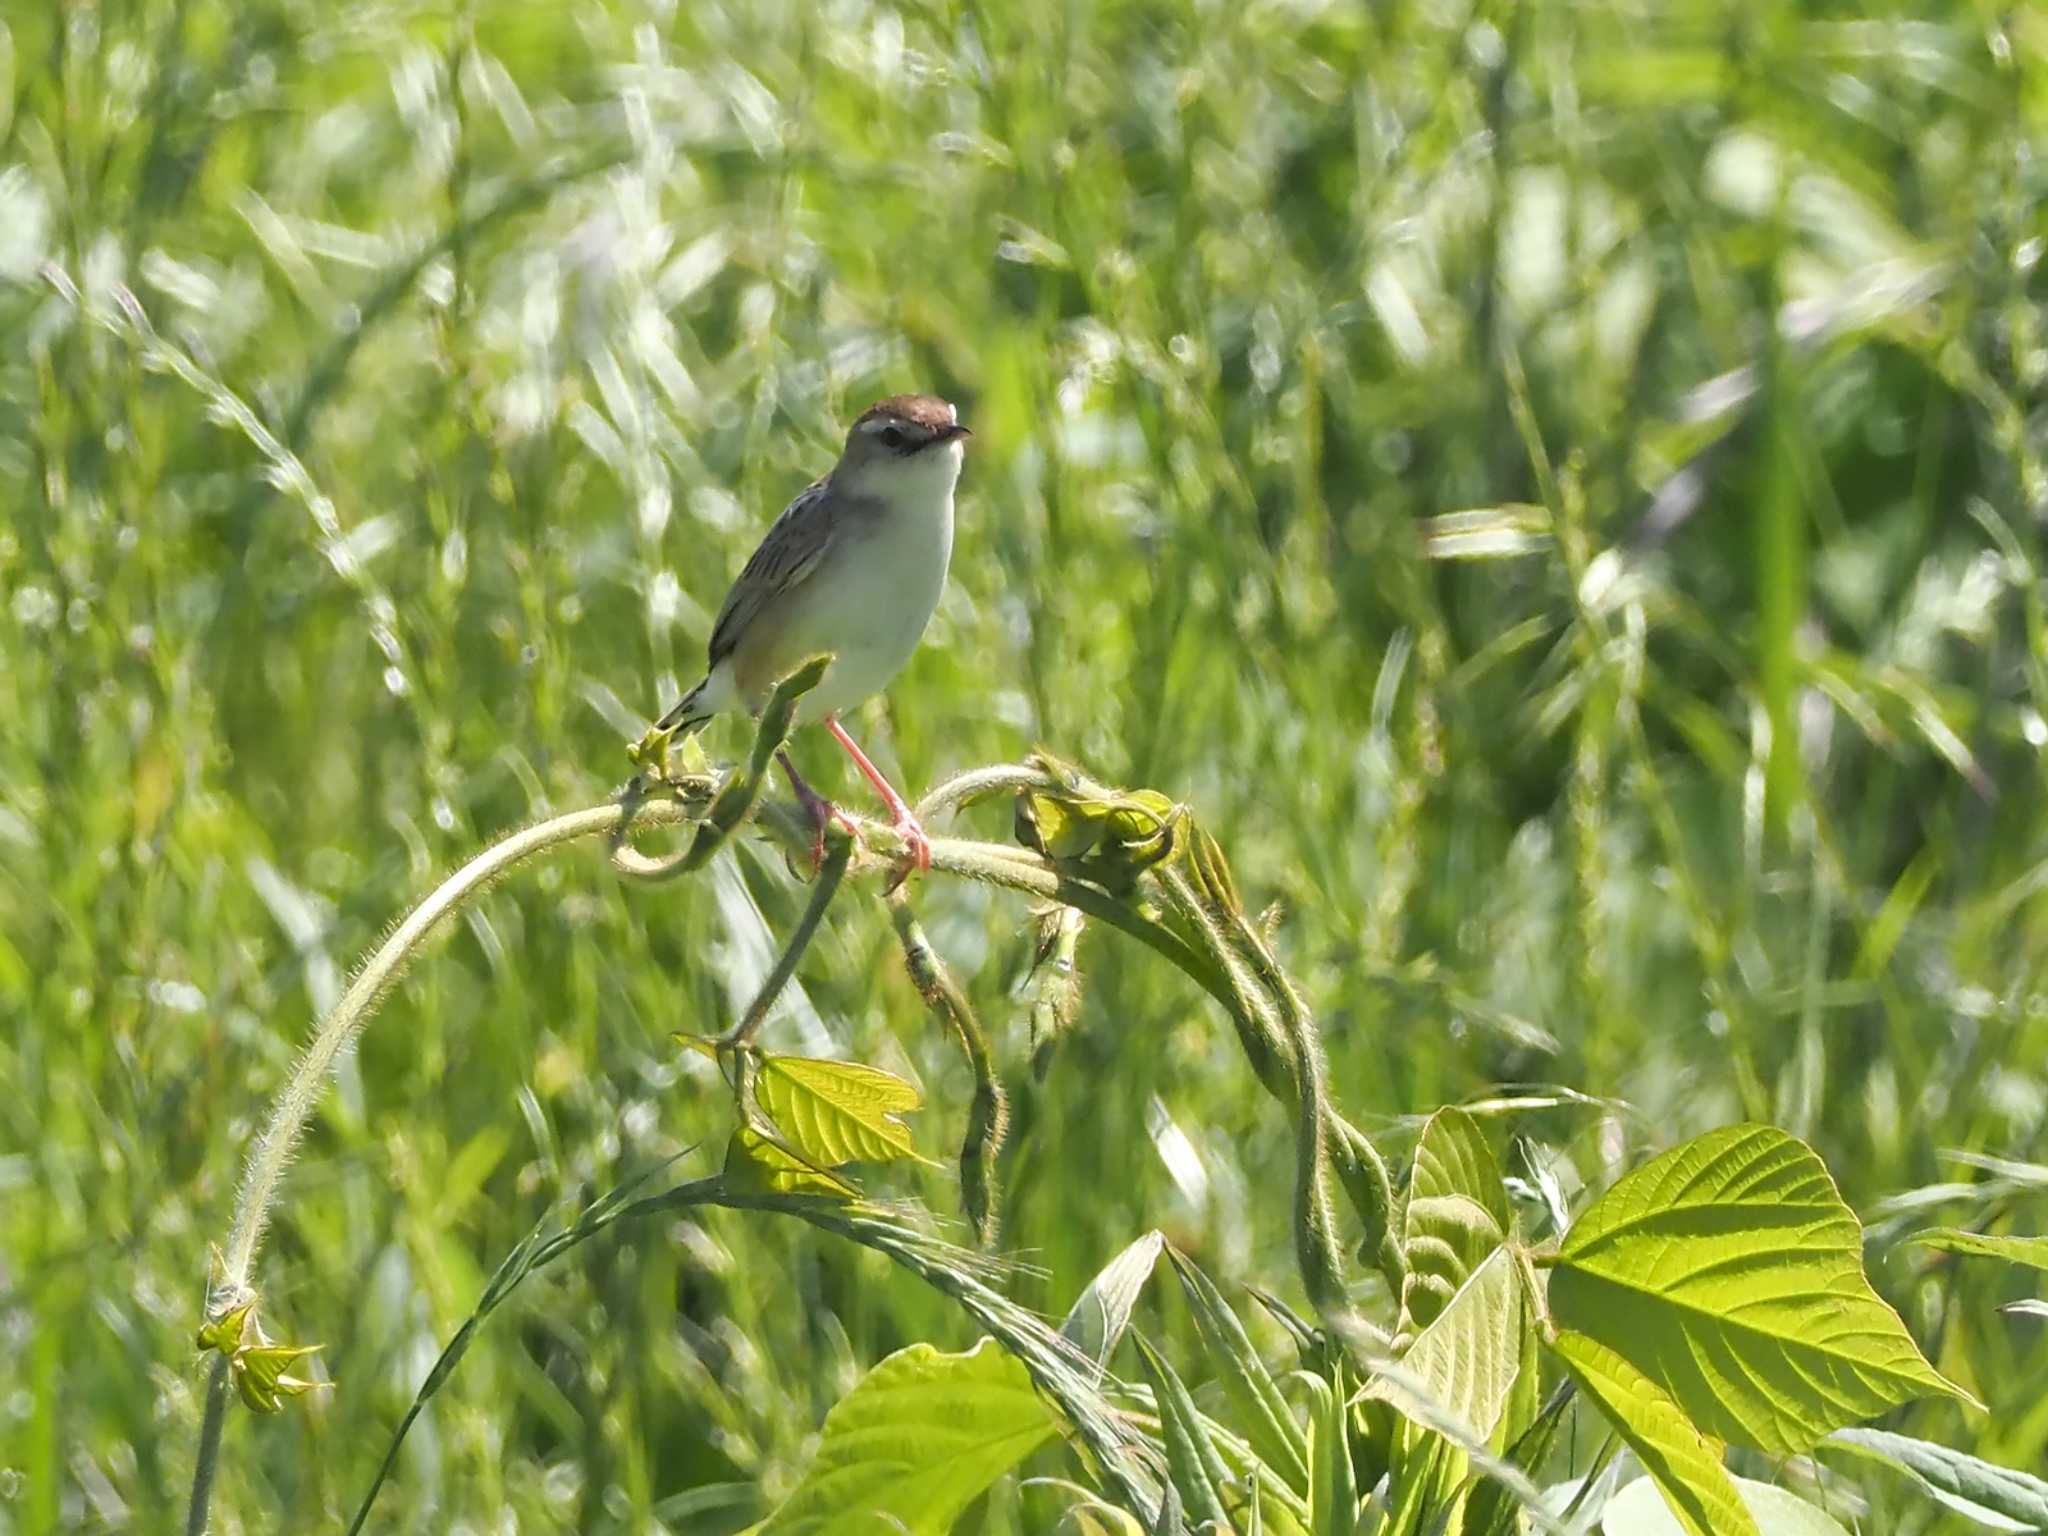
893,437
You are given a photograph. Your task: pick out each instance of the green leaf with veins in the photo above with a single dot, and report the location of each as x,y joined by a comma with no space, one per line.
1685,1463
1457,1215
917,1440
1729,1272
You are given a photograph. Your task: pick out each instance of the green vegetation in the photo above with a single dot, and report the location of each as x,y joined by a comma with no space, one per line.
1541,503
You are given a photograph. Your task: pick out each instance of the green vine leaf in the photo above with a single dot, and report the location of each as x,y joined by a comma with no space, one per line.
1729,1272
838,1111
830,1112
1470,1355
1457,1215
754,1162
258,1368
1685,1463
225,1332
917,1440
1107,835
259,1372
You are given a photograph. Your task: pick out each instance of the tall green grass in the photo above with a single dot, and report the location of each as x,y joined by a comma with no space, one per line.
388,394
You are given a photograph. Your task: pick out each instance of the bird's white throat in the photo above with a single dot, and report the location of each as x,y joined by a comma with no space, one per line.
922,482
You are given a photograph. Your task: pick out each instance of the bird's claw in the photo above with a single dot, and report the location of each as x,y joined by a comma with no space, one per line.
917,849
830,814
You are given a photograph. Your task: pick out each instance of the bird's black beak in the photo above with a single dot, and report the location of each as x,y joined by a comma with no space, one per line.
945,434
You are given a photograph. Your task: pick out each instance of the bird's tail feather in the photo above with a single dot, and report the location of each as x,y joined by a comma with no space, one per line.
688,713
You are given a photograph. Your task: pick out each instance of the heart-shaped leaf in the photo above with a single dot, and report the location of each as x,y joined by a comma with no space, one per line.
838,1111
1457,1214
915,1442
1730,1273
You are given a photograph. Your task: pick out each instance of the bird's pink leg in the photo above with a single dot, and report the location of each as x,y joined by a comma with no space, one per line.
821,811
905,824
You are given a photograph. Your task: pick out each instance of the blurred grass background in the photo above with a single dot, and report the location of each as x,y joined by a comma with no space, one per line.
389,392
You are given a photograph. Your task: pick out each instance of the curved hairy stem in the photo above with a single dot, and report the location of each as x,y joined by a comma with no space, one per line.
978,784
273,1146
989,1115
839,850
1356,1161
271,1152
1315,1239
668,803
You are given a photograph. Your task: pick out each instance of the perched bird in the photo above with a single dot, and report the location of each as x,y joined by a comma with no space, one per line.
854,566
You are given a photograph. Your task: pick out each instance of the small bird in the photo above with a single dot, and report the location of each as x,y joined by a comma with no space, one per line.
854,566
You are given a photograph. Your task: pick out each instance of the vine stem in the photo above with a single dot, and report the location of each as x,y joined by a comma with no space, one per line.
209,1447
979,784
826,886
272,1150
988,1117
271,1153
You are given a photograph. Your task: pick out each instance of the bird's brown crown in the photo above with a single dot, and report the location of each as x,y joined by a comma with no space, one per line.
927,411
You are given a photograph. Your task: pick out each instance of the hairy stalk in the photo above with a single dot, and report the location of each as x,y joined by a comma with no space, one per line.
272,1149
1357,1162
1315,1237
209,1446
988,1117
978,784
1370,1189
273,1146
839,851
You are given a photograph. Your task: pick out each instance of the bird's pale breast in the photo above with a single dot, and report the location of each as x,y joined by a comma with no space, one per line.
868,601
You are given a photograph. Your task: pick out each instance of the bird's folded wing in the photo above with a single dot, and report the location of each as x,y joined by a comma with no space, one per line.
794,545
